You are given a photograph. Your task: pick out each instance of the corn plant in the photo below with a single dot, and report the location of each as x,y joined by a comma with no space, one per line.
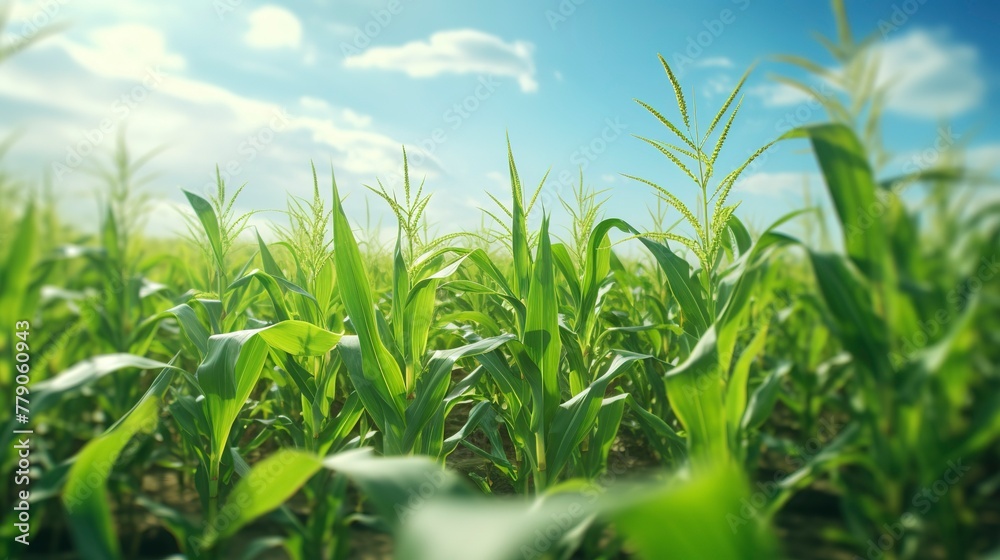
409,419
707,388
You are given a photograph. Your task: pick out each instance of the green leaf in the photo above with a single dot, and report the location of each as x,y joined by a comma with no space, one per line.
695,390
851,183
762,401
269,484
377,365
85,495
736,388
397,486
186,318
210,223
701,518
51,391
17,269
233,364
519,230
541,335
575,418
432,386
683,287
848,298
267,260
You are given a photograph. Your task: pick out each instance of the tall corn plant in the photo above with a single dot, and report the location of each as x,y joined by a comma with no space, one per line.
707,387
918,396
551,395
546,428
408,420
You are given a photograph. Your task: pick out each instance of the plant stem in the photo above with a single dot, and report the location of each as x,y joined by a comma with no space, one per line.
540,454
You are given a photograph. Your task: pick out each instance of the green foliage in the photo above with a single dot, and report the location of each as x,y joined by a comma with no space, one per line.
329,387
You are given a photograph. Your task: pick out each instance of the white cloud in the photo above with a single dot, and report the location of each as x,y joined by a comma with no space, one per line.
717,85
200,123
273,27
127,51
460,51
342,115
985,157
776,184
779,95
714,62
930,76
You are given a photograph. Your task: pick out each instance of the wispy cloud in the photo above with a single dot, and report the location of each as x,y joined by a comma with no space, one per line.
460,51
202,124
273,27
926,74
776,184
930,76
779,95
714,62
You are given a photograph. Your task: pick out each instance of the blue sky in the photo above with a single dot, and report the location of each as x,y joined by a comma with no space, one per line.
262,88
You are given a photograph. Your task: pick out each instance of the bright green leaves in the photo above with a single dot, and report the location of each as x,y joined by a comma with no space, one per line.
16,272
82,374
519,230
397,486
547,431
234,362
574,420
707,390
541,339
696,391
850,303
377,364
429,402
269,484
210,225
683,286
85,495
409,407
852,188
702,518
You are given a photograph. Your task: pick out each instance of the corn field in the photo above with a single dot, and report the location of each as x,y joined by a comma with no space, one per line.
705,389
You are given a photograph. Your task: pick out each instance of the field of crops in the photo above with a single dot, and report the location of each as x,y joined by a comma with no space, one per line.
515,392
